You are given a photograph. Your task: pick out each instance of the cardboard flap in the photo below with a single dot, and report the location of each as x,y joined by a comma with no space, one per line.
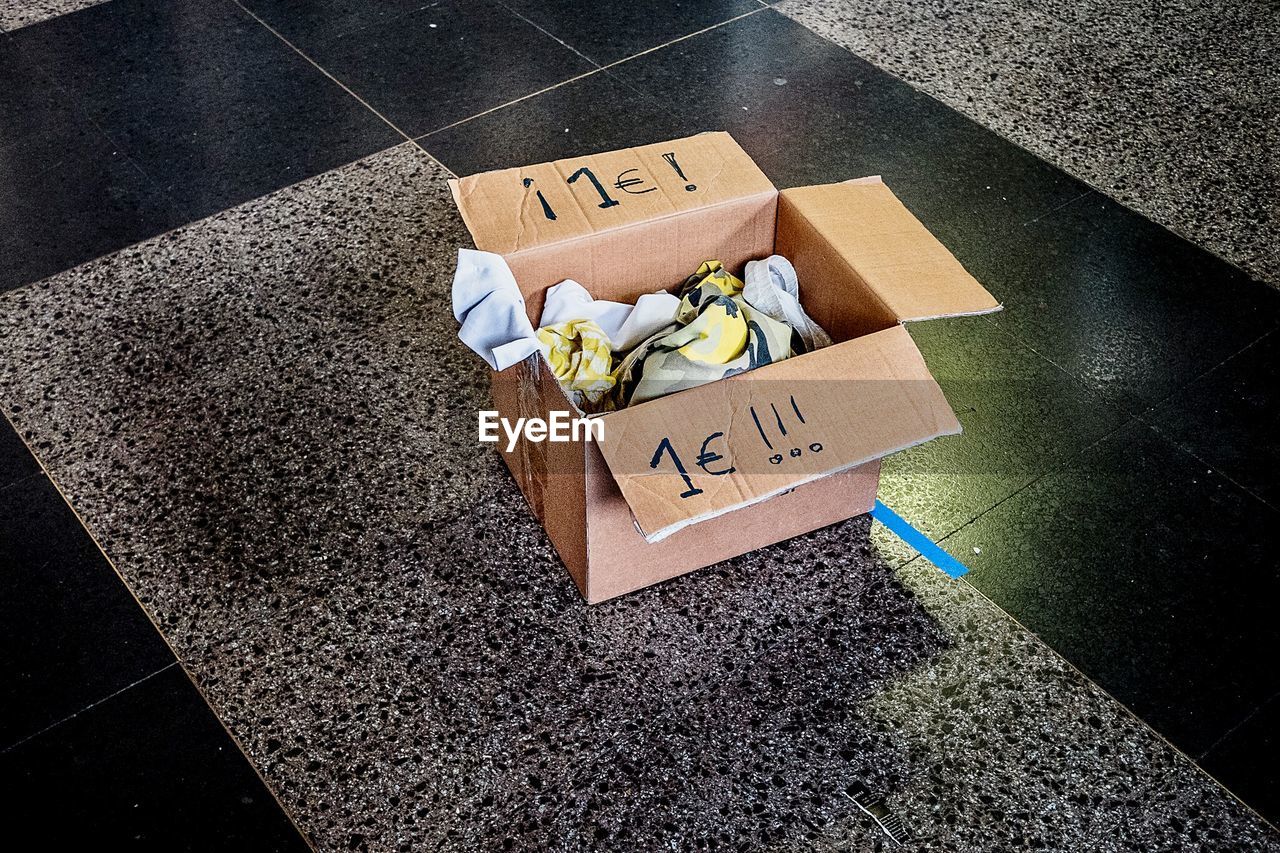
890,250
708,450
514,209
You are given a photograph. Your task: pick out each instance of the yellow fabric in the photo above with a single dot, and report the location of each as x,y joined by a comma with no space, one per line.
720,332
581,356
721,335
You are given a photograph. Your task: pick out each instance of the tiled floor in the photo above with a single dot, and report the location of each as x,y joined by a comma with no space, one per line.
252,414
1170,108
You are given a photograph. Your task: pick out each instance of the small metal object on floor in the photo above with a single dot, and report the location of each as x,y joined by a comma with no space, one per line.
873,806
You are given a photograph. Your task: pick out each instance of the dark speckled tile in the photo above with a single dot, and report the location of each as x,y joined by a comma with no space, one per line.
974,733
23,13
1150,571
211,106
148,769
608,32
1230,417
426,65
221,356
1010,748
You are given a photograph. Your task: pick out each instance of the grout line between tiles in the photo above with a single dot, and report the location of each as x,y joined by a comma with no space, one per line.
89,707
23,479
550,35
983,125
1054,210
1141,722
321,69
1155,425
177,658
344,88
1262,706
483,113
597,70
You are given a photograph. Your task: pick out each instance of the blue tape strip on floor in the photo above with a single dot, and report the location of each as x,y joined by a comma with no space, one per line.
950,566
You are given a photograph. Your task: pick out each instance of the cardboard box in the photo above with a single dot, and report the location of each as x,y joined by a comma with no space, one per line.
696,477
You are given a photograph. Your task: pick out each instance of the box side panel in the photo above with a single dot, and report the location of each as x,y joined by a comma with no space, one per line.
552,475
831,290
658,255
688,457
512,210
911,272
621,561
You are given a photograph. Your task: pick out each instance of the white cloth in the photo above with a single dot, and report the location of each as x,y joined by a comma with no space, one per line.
625,325
772,289
488,304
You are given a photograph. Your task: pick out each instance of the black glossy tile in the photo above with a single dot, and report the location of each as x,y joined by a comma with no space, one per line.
596,113
73,633
430,66
810,112
67,193
1021,416
608,32
69,196
205,100
1126,306
149,769
1230,418
307,23
1246,761
29,101
16,461
1151,573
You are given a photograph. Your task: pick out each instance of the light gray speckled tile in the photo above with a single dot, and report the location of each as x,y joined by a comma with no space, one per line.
1170,108
15,14
481,676
217,398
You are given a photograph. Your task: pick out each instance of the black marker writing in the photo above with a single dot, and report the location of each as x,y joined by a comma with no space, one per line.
706,457
665,445
608,202
760,429
778,418
671,158
796,409
546,208
624,183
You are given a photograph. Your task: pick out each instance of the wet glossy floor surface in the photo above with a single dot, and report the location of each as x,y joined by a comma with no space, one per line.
264,419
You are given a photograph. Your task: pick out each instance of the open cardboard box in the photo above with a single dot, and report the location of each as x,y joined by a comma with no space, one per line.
711,472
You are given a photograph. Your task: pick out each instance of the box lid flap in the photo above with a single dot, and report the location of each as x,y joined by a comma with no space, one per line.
514,209
708,450
890,250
